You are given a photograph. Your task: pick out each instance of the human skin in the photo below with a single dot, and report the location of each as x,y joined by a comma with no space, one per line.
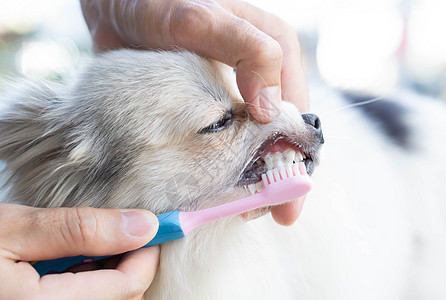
29,234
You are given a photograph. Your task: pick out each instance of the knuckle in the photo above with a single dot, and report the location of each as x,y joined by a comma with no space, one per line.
261,47
190,19
245,29
269,50
287,34
291,37
81,225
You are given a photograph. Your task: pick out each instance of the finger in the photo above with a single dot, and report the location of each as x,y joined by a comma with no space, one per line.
130,280
141,264
103,36
212,31
208,29
39,234
293,83
288,213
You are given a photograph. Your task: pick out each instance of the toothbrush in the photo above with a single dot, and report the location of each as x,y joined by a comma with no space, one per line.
281,185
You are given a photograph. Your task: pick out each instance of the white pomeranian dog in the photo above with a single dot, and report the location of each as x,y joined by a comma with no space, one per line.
169,131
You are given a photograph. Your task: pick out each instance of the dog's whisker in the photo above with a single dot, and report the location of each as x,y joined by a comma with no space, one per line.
261,77
350,106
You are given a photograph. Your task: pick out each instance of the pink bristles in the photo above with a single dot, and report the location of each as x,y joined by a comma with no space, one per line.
282,173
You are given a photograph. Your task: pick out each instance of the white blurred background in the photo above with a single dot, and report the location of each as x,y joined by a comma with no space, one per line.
371,46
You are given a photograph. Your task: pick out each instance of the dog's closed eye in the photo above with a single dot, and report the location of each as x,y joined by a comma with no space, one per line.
221,124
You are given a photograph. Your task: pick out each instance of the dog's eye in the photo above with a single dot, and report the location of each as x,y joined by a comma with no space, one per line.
221,124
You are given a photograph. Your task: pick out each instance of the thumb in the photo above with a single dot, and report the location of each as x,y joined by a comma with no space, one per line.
29,233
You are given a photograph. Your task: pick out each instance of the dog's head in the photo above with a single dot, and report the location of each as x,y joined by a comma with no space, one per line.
156,130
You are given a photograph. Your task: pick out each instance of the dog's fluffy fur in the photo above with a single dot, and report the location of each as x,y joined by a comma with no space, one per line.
129,133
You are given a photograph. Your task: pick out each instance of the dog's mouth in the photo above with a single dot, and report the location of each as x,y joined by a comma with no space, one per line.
277,151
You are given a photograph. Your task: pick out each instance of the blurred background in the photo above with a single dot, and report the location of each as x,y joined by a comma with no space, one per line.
371,46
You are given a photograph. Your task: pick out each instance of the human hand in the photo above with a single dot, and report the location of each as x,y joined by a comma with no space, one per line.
262,48
29,234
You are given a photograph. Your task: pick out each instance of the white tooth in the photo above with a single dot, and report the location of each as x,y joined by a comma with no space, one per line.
270,176
259,187
268,161
288,156
265,180
299,157
282,172
304,156
251,188
277,159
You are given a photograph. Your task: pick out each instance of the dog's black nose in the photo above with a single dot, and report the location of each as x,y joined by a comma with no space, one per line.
314,121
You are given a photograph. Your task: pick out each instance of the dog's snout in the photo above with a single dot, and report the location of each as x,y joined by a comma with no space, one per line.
314,121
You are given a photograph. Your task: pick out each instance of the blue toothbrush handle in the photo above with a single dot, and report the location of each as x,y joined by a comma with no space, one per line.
169,230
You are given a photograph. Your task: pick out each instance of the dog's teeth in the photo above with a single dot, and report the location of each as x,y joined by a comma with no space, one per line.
299,157
269,161
278,159
259,187
279,166
251,188
288,156
265,180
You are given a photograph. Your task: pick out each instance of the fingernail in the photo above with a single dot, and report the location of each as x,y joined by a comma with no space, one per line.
269,101
139,223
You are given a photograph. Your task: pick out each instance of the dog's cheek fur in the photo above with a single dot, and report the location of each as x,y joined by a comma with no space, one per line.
47,165
181,177
29,144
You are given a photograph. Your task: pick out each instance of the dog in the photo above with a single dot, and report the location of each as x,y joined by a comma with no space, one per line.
169,131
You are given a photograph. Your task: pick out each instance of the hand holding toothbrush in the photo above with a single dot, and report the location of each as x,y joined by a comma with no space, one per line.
28,234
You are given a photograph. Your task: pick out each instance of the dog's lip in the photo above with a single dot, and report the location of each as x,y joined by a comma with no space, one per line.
276,142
